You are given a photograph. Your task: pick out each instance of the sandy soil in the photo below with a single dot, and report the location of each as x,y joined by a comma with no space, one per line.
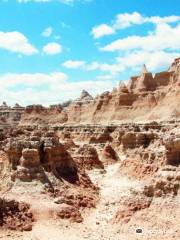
97,223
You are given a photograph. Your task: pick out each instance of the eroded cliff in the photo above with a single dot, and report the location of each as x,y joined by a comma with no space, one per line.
144,98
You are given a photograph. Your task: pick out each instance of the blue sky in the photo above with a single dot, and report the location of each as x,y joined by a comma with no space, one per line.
51,50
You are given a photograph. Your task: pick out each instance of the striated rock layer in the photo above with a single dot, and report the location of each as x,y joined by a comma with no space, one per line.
106,179
146,97
92,179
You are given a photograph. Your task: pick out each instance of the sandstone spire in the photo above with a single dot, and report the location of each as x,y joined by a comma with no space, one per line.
144,69
84,98
85,95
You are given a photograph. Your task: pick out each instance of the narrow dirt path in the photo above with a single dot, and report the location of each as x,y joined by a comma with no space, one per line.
113,187
97,223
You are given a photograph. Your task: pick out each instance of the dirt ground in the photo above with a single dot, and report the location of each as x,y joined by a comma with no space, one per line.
156,222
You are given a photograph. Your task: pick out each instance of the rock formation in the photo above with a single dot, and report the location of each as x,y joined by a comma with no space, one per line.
15,215
87,157
109,154
95,167
84,98
39,115
144,98
172,144
10,115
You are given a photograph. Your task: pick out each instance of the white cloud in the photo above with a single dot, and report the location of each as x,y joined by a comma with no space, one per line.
104,67
154,60
31,80
164,37
46,89
16,42
160,20
73,64
157,50
126,20
52,48
102,30
55,87
47,32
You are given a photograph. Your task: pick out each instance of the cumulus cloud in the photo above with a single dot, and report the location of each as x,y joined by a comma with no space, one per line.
102,30
52,48
160,20
47,32
133,60
126,20
73,64
55,87
46,88
113,69
154,60
31,80
16,42
104,67
164,37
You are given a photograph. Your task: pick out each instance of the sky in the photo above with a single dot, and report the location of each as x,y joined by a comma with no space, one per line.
50,50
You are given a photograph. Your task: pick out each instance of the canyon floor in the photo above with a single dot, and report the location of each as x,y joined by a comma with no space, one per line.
103,168
97,222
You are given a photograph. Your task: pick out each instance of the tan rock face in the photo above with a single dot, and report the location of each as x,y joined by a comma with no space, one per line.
101,136
126,164
10,115
87,157
129,140
58,164
30,158
84,98
144,98
109,154
133,140
166,182
145,83
69,212
124,98
39,115
172,145
130,207
30,155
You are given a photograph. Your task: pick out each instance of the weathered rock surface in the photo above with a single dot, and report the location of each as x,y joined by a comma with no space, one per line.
15,215
66,169
39,115
166,182
109,154
172,144
10,115
130,207
87,157
145,98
